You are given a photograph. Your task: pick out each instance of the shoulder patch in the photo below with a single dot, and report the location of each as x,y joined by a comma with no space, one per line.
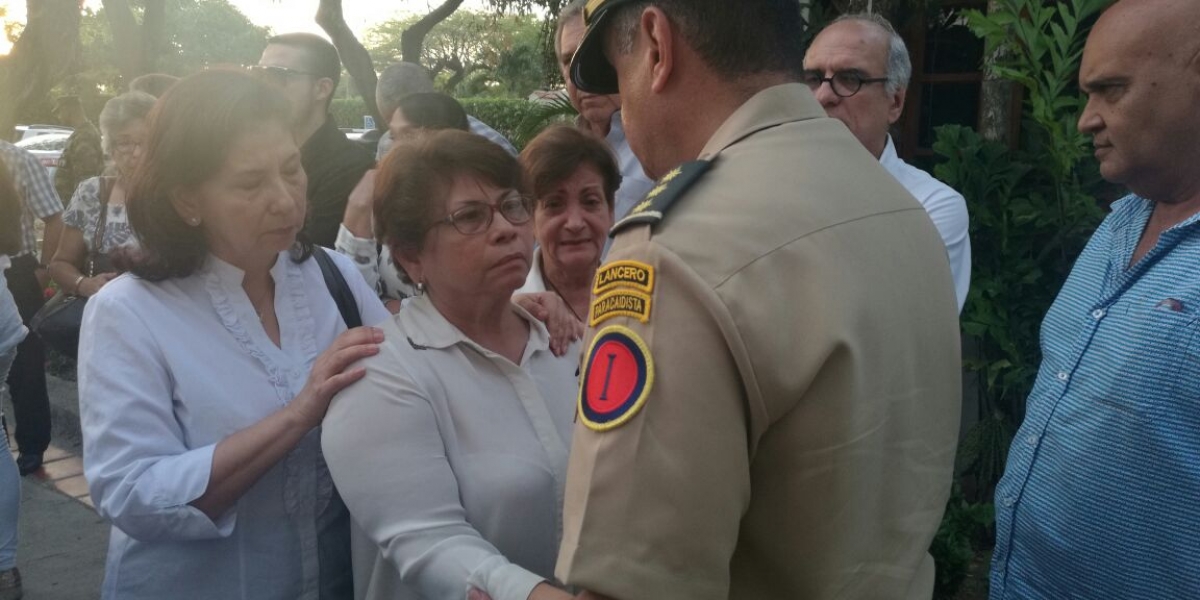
668,189
617,378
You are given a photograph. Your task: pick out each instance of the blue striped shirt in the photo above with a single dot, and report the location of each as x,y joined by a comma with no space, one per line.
1101,495
39,200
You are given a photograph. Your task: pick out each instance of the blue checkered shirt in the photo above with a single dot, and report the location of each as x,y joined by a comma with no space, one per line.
38,198
1101,495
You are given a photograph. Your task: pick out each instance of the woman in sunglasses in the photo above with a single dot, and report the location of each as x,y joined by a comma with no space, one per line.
451,452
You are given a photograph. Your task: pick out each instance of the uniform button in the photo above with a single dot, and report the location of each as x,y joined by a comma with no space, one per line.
1032,440
1098,313
1062,376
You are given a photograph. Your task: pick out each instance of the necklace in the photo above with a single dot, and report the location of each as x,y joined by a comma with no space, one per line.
553,288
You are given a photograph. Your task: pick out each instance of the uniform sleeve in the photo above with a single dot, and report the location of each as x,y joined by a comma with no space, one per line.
388,459
140,470
653,503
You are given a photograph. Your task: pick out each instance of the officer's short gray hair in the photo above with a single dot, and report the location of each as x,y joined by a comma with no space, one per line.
899,66
397,81
573,10
121,111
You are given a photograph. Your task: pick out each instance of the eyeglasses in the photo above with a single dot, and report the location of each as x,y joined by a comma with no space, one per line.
475,217
843,83
127,146
277,75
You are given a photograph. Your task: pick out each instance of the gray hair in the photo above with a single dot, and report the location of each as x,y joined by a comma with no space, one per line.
397,81
122,110
573,10
899,65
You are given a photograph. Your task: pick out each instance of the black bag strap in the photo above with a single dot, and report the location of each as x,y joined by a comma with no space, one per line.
338,288
106,188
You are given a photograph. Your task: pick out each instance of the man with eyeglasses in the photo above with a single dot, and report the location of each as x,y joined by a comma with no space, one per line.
307,68
858,68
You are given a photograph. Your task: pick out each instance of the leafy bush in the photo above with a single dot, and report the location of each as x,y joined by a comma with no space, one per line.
348,112
503,114
966,529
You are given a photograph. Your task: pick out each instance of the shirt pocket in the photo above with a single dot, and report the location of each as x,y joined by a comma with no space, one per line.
1149,355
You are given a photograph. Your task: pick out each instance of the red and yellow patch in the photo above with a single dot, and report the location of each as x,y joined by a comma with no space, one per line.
617,378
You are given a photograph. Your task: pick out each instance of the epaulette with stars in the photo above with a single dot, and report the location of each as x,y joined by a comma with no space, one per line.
668,189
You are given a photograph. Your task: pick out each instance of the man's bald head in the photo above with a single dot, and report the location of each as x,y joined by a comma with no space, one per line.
1141,72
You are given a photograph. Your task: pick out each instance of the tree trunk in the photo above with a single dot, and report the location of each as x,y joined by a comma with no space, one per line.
39,59
154,35
355,58
127,38
996,103
413,38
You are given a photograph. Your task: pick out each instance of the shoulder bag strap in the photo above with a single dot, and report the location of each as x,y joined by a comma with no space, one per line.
338,288
106,188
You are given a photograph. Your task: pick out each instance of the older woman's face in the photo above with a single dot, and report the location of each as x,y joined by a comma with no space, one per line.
573,219
492,264
126,145
254,205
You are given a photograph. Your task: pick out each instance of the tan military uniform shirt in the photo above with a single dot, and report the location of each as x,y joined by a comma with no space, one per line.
770,396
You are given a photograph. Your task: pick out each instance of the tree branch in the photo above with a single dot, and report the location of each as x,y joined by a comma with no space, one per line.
39,59
413,38
354,56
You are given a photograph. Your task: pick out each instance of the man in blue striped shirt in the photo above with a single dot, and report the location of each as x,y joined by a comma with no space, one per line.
1101,495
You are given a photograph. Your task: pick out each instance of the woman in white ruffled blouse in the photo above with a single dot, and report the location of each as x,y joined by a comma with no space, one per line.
205,373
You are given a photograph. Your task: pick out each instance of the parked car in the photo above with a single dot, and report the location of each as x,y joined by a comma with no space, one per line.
48,148
25,132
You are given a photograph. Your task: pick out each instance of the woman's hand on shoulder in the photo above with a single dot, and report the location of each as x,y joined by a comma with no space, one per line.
89,286
334,370
552,310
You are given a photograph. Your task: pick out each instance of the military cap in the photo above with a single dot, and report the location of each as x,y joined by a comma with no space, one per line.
590,69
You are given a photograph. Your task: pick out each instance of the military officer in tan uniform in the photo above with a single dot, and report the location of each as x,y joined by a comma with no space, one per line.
770,392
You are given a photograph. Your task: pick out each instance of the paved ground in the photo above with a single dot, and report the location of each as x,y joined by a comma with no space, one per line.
62,540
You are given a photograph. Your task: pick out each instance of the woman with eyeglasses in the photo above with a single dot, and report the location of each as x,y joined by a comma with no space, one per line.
451,452
95,223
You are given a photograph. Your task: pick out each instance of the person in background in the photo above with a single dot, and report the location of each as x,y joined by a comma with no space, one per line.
205,372
123,128
401,79
415,114
307,68
82,157
573,179
1098,499
12,331
27,279
599,113
866,66
155,84
451,452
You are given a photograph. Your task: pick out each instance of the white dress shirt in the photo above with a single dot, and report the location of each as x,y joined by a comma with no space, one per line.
166,371
634,182
452,460
948,210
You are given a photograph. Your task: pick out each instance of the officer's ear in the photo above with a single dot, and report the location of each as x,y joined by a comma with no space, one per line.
896,106
661,38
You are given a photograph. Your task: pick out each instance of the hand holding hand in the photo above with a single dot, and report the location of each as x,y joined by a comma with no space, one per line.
333,371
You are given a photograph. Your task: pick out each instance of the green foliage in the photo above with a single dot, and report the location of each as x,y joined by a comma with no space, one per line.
965,529
348,112
470,53
503,114
1032,211
200,34
557,109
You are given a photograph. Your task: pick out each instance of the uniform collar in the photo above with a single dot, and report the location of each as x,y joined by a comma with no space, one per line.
773,106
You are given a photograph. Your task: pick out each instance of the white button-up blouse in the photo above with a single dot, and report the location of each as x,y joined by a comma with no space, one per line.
452,460
166,371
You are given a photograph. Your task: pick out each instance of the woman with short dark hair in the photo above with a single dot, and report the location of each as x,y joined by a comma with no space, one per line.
451,452
573,178
204,374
